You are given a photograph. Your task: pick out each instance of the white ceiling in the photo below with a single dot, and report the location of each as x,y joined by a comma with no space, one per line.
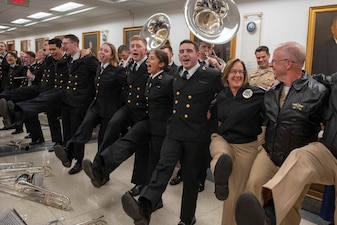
104,9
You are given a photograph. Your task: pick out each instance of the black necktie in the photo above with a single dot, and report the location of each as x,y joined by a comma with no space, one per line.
101,70
1,57
184,76
134,69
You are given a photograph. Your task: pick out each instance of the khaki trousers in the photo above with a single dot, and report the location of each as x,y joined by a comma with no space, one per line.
312,163
242,156
263,170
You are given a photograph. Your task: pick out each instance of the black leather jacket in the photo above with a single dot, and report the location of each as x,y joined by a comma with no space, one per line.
297,123
330,118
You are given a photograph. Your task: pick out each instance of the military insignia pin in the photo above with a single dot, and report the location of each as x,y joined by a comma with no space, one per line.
248,93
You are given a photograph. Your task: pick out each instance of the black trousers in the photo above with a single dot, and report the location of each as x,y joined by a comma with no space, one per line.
72,118
84,132
20,94
55,125
33,127
44,102
136,140
192,156
120,121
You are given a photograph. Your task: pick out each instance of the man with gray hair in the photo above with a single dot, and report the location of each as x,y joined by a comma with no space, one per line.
294,111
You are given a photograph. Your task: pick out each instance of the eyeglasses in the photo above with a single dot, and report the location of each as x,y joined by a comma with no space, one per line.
237,71
275,61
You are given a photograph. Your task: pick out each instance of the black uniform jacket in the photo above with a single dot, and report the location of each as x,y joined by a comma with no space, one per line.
297,123
159,95
191,102
241,115
109,84
10,80
80,88
135,100
3,70
330,117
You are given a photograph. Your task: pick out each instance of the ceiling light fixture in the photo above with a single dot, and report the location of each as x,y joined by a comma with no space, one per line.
39,15
29,24
80,11
52,18
13,28
3,27
20,21
66,7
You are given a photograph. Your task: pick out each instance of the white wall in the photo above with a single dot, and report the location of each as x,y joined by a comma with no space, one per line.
282,20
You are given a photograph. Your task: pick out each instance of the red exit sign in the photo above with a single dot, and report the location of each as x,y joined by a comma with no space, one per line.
19,2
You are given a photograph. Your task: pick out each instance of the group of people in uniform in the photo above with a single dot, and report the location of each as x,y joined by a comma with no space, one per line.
256,132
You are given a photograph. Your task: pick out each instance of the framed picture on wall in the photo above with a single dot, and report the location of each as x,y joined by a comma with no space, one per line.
24,45
128,32
91,40
39,43
321,49
59,36
224,51
10,45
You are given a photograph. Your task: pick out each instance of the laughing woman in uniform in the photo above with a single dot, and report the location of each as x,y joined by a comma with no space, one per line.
109,81
235,146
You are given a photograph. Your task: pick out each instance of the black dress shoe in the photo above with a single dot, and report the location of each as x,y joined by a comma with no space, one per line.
222,171
36,141
135,191
175,180
17,131
28,136
139,211
191,223
76,169
62,155
96,178
201,187
248,210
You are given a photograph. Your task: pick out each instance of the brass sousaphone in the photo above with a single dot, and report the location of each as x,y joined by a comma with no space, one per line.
212,21
156,30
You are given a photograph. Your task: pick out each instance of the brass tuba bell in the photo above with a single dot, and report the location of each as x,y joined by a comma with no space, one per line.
212,21
156,30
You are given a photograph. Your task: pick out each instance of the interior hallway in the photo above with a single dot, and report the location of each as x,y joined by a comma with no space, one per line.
88,202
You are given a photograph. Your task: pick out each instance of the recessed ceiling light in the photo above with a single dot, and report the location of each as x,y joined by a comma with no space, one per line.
29,24
80,11
13,28
66,7
39,15
3,27
52,18
20,21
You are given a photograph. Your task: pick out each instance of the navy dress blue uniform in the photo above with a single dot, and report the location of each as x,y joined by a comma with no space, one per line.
133,111
52,84
3,70
108,84
77,96
186,140
159,98
10,79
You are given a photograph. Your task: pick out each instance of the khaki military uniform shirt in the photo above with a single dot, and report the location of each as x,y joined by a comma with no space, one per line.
262,78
